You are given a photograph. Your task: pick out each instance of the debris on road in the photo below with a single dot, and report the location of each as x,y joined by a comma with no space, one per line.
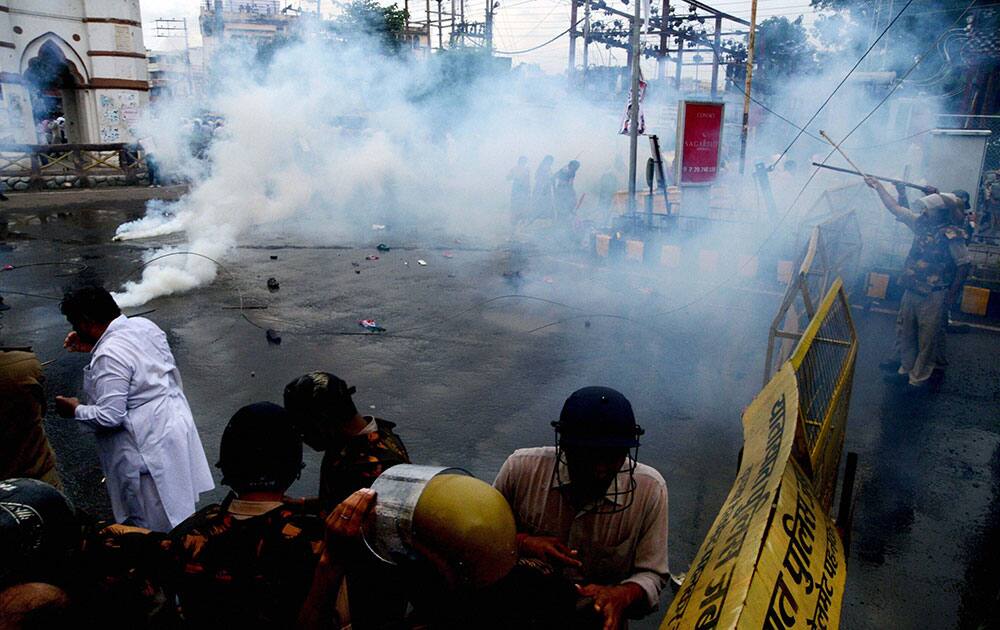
422,263
382,247
378,227
371,257
273,257
354,264
272,284
371,325
273,337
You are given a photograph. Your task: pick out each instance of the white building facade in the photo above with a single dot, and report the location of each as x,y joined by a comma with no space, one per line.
83,60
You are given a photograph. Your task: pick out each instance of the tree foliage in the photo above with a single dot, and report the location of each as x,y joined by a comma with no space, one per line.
367,18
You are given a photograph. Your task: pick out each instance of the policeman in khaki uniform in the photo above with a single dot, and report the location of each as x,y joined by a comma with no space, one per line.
933,274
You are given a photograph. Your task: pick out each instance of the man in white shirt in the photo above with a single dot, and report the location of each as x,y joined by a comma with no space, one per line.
148,445
589,510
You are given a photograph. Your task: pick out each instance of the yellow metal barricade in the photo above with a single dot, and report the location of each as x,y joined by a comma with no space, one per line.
824,367
773,557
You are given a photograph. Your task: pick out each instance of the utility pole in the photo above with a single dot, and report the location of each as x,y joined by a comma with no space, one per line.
752,38
430,41
572,39
661,59
716,44
172,28
633,127
489,26
440,26
586,37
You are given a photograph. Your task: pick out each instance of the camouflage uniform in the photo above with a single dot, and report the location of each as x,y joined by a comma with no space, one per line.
245,564
930,269
24,448
355,463
376,591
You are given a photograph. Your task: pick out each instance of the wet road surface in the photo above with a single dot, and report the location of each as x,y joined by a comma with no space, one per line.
476,364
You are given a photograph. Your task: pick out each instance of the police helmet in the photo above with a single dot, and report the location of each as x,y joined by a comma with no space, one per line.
260,449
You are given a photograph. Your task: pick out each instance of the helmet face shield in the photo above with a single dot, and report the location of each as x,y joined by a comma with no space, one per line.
606,474
459,525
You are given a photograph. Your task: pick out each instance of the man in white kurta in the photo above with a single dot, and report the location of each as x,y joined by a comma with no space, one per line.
148,445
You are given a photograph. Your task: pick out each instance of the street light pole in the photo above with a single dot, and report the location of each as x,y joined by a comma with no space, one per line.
746,89
633,127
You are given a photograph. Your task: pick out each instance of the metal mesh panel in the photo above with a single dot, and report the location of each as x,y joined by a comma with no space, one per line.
824,366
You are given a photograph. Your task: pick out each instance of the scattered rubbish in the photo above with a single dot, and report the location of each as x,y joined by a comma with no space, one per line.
354,264
586,323
422,263
406,263
253,374
273,257
272,284
382,247
273,337
378,227
370,325
357,271
371,257
371,406
448,255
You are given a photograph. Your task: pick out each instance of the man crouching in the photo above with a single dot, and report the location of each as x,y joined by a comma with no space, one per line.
586,509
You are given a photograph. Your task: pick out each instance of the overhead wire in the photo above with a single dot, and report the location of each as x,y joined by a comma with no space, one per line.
816,170
842,82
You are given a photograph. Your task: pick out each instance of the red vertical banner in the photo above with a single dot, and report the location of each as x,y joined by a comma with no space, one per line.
699,141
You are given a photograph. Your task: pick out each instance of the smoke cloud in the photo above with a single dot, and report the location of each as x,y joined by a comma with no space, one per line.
328,140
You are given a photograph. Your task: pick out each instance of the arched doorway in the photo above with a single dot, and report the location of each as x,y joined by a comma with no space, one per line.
53,81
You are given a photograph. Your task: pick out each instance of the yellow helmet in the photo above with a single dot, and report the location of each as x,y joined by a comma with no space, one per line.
461,525
466,528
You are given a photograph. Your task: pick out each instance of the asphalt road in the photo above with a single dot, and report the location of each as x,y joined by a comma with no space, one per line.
477,363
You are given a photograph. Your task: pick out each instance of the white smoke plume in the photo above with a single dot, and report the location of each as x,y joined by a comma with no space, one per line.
330,139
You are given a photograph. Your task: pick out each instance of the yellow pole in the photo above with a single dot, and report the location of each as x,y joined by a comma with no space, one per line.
749,82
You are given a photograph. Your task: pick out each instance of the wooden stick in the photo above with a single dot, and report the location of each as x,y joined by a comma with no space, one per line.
839,150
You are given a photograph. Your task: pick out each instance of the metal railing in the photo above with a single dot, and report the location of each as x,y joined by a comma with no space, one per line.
824,367
832,251
40,165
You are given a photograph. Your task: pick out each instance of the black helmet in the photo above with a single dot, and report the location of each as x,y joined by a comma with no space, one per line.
597,417
260,449
38,531
320,394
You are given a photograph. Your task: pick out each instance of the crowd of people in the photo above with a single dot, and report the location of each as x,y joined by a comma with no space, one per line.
553,195
572,535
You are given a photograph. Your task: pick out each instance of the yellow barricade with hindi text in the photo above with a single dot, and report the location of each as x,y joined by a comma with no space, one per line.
742,568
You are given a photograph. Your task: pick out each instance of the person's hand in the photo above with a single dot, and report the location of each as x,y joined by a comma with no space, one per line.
66,407
122,530
73,343
611,602
548,548
872,182
931,190
345,523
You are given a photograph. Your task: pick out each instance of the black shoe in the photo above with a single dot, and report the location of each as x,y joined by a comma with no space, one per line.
4,197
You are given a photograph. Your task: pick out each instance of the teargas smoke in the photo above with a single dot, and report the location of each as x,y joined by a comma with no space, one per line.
328,139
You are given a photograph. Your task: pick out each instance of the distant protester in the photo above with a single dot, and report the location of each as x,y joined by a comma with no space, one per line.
147,441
